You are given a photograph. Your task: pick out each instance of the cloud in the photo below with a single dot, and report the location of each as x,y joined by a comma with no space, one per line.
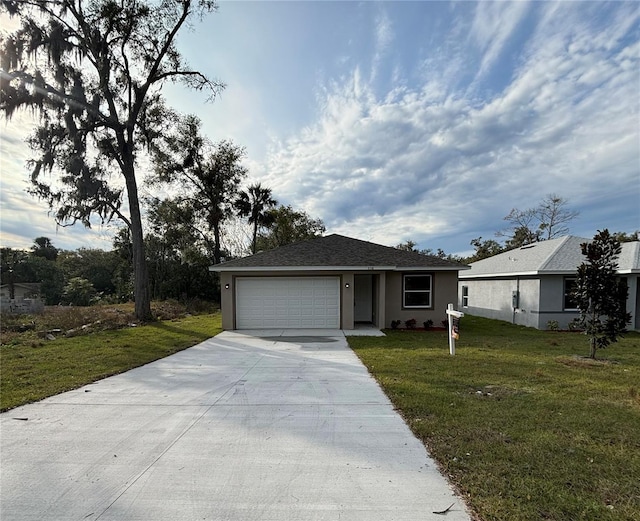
433,159
493,26
384,36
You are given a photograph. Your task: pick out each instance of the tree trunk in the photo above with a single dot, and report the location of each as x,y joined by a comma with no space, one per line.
140,272
216,246
255,237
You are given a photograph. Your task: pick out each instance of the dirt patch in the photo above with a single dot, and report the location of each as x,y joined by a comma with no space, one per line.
585,361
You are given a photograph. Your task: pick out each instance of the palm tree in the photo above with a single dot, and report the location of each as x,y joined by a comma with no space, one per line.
255,203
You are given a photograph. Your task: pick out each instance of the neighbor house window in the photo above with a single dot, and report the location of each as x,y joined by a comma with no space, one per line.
465,296
417,291
569,298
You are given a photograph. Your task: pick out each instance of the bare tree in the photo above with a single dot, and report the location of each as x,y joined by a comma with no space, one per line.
548,220
554,216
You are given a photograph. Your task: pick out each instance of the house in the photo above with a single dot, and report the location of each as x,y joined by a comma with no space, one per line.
26,298
335,282
532,285
21,290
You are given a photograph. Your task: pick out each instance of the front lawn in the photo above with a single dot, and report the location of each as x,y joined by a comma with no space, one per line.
524,428
31,369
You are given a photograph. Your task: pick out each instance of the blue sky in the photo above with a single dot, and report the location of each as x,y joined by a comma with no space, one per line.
392,121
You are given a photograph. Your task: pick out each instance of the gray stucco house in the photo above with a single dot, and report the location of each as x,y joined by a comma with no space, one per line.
532,285
335,282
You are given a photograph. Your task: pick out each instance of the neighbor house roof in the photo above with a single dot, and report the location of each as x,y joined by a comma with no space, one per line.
629,260
560,256
336,252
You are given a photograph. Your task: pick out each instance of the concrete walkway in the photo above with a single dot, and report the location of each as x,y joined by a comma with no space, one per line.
241,427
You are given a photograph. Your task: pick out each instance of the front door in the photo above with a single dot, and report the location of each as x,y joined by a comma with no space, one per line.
363,298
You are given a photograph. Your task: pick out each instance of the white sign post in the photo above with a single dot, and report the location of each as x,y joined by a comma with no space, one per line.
451,313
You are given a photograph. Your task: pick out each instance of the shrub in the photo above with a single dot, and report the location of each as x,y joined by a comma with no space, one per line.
575,325
79,292
410,324
395,324
552,325
428,324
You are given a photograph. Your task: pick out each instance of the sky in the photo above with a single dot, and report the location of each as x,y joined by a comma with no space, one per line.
396,121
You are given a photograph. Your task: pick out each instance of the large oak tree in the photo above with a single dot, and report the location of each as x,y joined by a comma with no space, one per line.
93,72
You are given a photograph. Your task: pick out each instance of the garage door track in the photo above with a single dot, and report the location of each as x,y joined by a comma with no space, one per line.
260,426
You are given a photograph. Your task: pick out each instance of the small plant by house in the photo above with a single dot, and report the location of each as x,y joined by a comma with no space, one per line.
552,325
410,324
428,324
395,324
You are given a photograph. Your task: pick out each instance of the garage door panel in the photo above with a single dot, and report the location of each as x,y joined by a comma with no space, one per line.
287,302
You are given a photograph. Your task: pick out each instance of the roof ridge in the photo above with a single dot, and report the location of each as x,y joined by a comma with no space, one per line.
553,252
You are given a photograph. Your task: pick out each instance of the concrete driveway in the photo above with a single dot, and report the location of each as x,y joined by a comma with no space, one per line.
241,427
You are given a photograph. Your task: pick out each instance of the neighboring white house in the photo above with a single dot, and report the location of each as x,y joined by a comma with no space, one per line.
532,285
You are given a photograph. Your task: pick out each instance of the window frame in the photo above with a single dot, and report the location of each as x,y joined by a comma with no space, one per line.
465,296
566,296
405,291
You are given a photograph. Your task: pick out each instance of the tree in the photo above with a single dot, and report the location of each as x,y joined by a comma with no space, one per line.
554,216
408,245
97,266
178,251
79,292
43,247
600,295
93,72
627,237
288,226
521,237
484,249
254,203
209,174
548,220
12,267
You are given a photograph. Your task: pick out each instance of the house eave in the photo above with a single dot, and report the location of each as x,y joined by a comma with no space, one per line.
538,273
284,269
503,275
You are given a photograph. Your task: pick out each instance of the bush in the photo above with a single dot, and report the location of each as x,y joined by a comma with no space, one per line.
79,292
395,324
552,325
410,324
428,324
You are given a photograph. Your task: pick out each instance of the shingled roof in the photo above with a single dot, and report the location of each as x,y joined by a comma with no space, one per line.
338,252
551,257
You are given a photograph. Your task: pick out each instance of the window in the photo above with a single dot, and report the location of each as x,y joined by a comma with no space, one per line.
465,296
569,299
417,291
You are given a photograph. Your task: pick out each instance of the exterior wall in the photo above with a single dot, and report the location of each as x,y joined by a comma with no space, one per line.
552,303
541,300
346,301
633,301
387,294
227,300
492,298
444,291
20,306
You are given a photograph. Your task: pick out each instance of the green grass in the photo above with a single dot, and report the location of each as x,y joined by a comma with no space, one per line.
524,429
32,370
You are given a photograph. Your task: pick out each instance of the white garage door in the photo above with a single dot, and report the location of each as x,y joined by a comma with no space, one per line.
287,302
